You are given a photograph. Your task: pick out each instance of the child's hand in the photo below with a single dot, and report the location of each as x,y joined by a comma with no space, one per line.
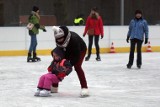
61,75
49,69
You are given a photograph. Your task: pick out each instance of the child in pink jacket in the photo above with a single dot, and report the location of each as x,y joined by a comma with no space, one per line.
58,69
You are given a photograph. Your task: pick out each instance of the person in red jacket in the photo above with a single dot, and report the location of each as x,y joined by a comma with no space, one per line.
94,28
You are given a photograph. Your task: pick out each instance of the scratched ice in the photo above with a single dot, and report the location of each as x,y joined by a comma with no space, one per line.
110,83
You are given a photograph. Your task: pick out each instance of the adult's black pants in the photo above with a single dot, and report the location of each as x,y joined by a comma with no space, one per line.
90,43
133,44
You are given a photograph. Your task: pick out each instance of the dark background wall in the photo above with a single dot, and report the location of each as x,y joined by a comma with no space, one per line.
66,10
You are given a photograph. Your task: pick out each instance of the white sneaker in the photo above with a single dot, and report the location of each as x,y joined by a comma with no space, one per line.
54,89
37,92
44,93
84,92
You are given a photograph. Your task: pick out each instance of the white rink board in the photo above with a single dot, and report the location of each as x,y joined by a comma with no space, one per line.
17,38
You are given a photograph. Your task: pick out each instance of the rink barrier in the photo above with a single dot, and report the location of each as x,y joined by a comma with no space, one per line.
48,51
15,41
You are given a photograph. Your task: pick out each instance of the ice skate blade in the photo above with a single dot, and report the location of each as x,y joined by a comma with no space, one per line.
31,61
84,96
42,96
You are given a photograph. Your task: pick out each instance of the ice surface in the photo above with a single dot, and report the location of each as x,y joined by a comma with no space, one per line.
110,83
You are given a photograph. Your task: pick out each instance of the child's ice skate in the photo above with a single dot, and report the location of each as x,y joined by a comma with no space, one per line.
54,89
44,93
37,92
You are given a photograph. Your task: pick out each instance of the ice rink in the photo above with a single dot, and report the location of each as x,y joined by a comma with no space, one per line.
110,83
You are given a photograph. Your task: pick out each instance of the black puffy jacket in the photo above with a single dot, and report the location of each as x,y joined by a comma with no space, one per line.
75,47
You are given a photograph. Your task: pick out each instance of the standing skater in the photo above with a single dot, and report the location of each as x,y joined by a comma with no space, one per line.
75,50
94,27
34,27
137,29
58,69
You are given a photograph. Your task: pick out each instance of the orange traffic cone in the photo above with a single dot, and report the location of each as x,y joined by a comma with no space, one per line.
112,48
149,48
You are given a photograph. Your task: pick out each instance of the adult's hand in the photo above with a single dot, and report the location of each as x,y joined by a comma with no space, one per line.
127,40
101,36
44,30
146,41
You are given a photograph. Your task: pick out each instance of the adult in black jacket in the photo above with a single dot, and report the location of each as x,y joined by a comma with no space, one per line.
75,50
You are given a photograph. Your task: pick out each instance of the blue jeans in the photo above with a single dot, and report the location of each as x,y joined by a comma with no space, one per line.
33,44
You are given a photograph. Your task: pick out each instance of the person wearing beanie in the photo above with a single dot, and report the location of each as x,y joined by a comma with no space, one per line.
138,32
58,69
94,29
33,28
75,50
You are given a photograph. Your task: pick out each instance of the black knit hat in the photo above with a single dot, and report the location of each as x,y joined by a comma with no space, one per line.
138,12
59,51
65,30
35,8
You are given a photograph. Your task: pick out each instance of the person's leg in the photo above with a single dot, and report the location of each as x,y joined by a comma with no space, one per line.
96,41
32,47
35,44
54,88
40,85
90,42
29,58
31,44
55,84
131,55
49,80
41,82
35,58
139,55
80,71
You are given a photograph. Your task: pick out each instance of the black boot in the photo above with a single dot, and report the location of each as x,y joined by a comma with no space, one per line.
98,58
139,66
129,66
35,58
29,58
87,58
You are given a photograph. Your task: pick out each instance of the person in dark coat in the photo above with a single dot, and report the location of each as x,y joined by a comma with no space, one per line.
75,50
138,32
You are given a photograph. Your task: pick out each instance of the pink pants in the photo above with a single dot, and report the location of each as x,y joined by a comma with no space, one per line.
47,80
